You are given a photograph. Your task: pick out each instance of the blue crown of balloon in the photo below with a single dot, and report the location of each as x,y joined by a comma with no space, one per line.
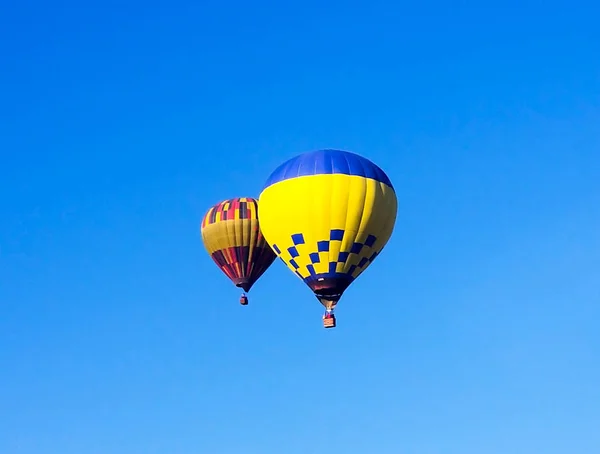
327,162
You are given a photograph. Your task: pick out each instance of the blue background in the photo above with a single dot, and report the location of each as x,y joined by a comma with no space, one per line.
475,332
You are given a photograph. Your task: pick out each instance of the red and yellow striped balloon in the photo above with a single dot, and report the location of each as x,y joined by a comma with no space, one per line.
231,235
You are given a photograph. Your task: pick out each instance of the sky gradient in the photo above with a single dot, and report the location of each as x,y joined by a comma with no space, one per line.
475,331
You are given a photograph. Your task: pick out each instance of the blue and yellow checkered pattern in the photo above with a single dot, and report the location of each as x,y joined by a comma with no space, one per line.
313,261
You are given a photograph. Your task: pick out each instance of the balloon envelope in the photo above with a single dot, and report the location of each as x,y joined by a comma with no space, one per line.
231,235
328,214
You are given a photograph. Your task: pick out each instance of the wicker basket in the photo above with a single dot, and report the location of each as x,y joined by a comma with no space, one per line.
329,322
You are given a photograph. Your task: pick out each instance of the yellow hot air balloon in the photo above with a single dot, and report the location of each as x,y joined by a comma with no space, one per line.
327,214
231,235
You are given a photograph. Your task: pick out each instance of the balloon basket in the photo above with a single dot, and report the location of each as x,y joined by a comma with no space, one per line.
244,300
329,321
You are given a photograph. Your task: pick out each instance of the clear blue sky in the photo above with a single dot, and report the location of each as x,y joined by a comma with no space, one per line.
475,332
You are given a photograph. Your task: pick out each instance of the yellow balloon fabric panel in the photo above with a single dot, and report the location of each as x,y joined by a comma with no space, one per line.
230,223
328,217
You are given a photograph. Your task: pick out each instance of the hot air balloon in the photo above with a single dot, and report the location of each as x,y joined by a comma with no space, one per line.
231,234
328,214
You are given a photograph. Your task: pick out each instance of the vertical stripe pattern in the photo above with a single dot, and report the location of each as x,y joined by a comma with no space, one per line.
231,234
